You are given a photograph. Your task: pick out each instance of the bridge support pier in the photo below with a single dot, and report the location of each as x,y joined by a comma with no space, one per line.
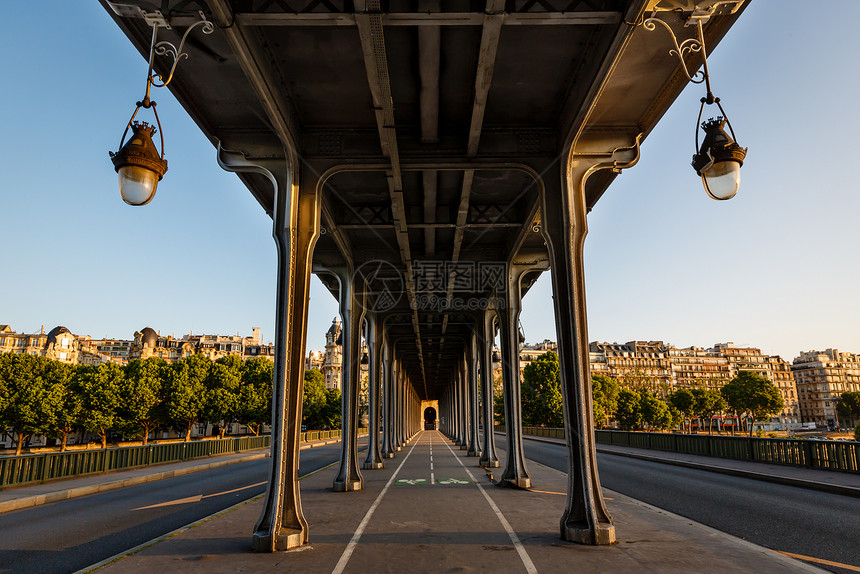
296,227
387,397
352,301
463,387
485,332
374,351
515,473
586,519
472,383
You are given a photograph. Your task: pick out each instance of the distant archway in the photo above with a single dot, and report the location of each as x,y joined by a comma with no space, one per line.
429,418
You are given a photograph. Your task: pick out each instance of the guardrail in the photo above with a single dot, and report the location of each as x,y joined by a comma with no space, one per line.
37,468
842,456
819,454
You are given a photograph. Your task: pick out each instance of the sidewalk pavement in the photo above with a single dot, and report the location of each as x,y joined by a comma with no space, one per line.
35,494
432,509
835,482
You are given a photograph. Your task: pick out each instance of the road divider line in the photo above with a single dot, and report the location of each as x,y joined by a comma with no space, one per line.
350,548
524,556
819,561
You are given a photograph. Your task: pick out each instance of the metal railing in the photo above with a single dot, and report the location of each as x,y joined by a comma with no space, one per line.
842,456
37,468
819,454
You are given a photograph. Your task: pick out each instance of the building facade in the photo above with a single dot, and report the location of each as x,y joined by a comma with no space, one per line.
821,378
332,363
59,343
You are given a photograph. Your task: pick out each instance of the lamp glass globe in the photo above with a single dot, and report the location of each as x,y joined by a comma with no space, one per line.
722,180
137,184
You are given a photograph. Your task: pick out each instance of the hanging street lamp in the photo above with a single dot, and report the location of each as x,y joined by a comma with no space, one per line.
719,159
139,165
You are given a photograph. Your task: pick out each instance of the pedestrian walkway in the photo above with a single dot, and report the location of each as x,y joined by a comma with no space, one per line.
433,510
35,494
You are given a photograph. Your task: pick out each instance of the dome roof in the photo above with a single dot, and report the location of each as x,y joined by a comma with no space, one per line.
148,337
334,330
56,332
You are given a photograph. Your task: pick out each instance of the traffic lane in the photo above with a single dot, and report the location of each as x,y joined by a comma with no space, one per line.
779,517
68,535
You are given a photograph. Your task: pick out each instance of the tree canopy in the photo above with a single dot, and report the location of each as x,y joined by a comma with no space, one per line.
604,395
848,406
541,392
752,396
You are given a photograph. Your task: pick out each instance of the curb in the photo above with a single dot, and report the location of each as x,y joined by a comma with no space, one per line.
776,479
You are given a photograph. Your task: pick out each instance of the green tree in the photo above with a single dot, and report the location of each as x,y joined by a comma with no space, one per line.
637,380
62,402
604,398
255,394
682,400
628,413
185,392
857,432
101,389
848,406
27,406
753,396
330,417
141,396
222,392
314,399
541,392
707,403
498,400
676,418
654,411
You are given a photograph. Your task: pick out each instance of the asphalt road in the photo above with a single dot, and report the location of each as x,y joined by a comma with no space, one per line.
69,535
782,518
72,534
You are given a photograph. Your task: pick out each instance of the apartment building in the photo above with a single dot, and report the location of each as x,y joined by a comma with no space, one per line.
821,377
59,343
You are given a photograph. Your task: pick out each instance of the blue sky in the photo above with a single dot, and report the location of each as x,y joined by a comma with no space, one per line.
775,267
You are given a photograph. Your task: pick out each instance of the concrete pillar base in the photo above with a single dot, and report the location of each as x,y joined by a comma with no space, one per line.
473,452
287,539
397,448
464,447
388,455
371,465
489,463
347,486
602,535
516,483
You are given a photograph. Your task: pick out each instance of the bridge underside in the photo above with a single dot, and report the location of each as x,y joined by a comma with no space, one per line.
428,160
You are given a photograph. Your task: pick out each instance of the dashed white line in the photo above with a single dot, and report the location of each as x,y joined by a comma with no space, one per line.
524,556
344,558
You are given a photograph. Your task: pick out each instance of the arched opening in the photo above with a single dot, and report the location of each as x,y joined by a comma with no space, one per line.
429,418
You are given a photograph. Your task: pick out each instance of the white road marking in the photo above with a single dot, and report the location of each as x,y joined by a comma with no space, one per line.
350,548
196,498
432,478
524,556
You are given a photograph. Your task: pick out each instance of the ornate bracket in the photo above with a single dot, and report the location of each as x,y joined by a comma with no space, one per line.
168,48
690,45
